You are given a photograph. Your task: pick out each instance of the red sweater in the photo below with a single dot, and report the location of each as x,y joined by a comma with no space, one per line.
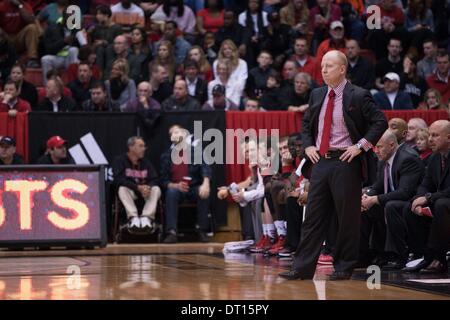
21,106
441,86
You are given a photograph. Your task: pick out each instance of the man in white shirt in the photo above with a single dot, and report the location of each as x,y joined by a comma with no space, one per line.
391,98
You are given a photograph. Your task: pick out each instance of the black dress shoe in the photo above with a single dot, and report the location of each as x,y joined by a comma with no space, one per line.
421,265
435,267
293,275
394,265
340,275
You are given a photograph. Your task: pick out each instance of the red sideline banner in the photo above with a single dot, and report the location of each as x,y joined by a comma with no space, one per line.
16,127
52,206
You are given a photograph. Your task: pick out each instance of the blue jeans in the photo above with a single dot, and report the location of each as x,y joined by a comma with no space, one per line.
174,197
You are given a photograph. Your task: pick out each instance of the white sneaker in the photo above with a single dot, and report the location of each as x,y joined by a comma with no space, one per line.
146,224
134,224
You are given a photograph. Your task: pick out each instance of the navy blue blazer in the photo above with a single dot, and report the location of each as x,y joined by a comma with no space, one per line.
402,101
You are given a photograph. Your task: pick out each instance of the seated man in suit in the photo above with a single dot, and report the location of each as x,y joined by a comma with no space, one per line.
136,178
197,87
399,173
391,98
183,179
432,200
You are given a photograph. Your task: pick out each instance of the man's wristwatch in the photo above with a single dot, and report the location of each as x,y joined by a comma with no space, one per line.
428,197
20,6
359,146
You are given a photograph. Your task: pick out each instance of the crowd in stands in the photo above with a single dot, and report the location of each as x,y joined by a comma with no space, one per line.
171,55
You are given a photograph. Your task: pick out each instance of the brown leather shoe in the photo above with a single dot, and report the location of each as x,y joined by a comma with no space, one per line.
435,267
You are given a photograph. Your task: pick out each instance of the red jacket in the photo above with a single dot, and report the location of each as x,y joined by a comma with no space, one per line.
441,86
21,106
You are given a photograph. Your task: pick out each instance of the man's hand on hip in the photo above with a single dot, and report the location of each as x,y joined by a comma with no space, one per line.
350,154
313,154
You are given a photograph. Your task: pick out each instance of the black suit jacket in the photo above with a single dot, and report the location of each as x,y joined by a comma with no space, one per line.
407,172
361,116
435,182
201,91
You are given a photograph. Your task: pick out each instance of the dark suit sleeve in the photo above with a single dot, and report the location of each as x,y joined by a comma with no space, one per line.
411,171
307,138
378,186
374,117
427,185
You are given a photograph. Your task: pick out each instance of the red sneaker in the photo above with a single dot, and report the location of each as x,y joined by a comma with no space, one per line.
277,246
325,259
263,244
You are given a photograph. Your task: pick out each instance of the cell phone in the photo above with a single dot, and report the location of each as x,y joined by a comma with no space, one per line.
427,212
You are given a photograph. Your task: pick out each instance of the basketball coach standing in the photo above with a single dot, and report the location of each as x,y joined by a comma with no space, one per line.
339,128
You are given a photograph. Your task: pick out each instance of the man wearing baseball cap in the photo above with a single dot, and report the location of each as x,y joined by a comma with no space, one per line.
335,42
219,100
56,152
8,155
391,98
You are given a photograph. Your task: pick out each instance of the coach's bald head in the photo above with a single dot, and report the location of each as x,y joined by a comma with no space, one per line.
334,68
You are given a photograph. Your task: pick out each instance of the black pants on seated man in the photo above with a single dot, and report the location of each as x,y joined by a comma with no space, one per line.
384,230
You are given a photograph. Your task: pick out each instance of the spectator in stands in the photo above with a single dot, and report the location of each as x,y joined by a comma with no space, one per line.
20,27
55,100
413,84
296,15
254,19
352,10
179,45
233,31
180,100
27,91
290,70
234,89
197,87
165,57
257,77
197,54
144,100
419,22
432,100
391,98
399,173
271,98
119,86
414,125
53,12
335,42
140,51
10,101
149,7
8,57
136,178
87,55
80,86
306,63
320,18
219,100
8,155
99,100
399,127
427,65
184,179
208,45
296,98
278,39
61,46
391,63
210,19
162,89
432,193
121,50
175,10
440,79
361,71
423,146
104,33
238,67
56,152
251,105
392,26
128,15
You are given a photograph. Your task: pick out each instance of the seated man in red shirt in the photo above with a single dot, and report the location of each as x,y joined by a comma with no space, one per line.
10,101
18,22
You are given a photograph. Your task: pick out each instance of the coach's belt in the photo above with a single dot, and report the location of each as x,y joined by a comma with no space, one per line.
333,154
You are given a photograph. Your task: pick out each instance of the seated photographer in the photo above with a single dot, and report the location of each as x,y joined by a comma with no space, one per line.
135,177
183,179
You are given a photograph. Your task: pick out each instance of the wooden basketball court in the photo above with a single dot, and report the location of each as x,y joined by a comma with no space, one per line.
187,271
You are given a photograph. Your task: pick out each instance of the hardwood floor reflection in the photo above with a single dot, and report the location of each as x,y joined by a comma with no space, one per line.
169,272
